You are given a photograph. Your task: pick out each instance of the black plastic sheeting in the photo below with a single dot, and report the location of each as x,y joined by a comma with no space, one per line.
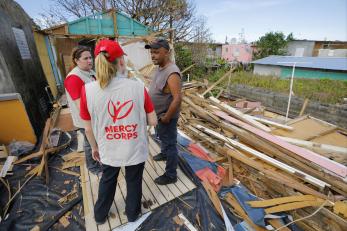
37,204
201,213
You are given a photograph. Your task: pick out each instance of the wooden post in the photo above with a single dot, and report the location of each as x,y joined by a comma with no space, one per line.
231,174
216,83
186,69
114,17
303,107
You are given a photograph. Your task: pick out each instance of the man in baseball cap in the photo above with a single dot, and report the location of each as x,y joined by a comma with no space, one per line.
158,44
165,92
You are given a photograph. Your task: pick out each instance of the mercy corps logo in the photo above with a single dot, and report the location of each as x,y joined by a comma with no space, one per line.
118,112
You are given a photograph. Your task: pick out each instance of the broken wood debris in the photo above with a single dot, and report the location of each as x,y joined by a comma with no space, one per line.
268,167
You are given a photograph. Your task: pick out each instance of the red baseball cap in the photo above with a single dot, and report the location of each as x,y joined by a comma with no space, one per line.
111,47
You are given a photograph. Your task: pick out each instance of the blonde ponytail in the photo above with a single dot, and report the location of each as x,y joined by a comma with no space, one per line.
105,70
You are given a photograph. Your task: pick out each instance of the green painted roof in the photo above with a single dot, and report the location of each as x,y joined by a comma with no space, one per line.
102,24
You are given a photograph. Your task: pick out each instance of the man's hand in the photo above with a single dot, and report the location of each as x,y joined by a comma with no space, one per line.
95,155
164,119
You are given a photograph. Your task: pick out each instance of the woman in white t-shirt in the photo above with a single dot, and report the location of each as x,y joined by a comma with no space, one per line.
116,111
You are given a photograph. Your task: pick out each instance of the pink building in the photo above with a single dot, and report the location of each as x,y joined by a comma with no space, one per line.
237,52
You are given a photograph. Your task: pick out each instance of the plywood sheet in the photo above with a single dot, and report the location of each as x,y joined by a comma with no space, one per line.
305,129
14,122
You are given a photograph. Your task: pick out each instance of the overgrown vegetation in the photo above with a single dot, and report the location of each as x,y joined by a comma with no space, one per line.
321,90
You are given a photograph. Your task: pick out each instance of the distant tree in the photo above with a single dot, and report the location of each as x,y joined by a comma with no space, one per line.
201,38
183,56
157,14
272,43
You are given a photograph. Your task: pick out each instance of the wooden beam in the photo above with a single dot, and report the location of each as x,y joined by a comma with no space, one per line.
272,123
275,151
303,107
313,145
226,75
115,26
8,163
322,161
188,68
50,150
276,175
264,157
238,114
83,181
280,200
294,206
214,197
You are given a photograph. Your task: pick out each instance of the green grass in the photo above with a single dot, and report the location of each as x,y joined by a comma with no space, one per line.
320,90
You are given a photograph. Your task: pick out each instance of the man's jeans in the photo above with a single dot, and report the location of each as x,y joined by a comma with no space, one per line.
167,134
107,190
92,165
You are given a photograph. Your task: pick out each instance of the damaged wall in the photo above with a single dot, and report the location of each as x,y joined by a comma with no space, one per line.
21,69
335,114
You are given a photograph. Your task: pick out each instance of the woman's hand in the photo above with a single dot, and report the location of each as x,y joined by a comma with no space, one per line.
95,155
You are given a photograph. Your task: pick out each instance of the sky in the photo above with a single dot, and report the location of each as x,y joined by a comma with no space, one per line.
306,19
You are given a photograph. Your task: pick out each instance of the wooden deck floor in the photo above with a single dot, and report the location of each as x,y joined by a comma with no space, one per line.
153,194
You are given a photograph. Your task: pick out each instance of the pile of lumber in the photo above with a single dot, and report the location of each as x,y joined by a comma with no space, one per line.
269,164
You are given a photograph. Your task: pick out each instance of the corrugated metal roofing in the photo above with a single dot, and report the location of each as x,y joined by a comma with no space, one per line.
328,63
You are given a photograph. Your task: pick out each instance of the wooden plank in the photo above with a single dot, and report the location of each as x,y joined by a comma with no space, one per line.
275,175
280,200
8,164
264,157
187,222
334,138
14,121
121,188
159,197
178,188
83,181
324,162
80,142
277,151
226,75
180,175
114,216
213,197
89,218
314,145
163,188
72,155
95,186
146,195
304,128
272,123
115,26
293,206
340,207
236,113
